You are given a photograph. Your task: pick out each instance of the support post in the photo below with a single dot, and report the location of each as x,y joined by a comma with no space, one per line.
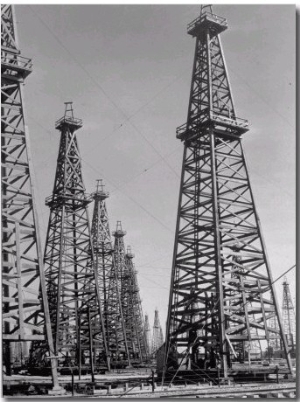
91,345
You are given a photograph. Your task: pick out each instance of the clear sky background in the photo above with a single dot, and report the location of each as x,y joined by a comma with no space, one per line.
127,68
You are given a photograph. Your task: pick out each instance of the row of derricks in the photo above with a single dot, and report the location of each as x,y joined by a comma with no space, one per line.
79,307
94,301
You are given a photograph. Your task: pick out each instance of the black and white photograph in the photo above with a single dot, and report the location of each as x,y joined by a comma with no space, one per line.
148,200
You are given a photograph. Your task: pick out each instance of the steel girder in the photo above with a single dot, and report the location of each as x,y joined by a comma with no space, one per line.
25,308
221,280
71,275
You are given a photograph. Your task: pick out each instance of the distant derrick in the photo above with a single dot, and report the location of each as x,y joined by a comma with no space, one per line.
120,275
109,281
148,335
129,295
136,308
288,313
103,250
157,338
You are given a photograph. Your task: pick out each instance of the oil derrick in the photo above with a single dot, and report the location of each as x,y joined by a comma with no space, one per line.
157,338
125,278
136,308
109,284
118,300
102,245
216,211
148,335
25,311
288,314
71,275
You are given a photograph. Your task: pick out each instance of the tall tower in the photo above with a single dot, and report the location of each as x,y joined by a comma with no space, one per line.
135,308
216,212
109,284
123,344
124,268
148,335
288,313
157,338
102,245
71,275
25,311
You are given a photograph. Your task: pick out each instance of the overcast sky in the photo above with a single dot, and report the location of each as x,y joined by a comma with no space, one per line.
128,69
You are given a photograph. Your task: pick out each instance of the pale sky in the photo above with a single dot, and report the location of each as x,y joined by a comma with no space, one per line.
127,68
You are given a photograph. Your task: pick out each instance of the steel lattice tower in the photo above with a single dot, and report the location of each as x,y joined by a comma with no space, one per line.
71,275
120,346
109,285
136,308
216,212
288,313
102,245
125,278
25,309
157,338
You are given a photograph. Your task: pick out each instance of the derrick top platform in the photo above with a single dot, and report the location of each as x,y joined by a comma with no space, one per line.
100,193
129,253
207,21
119,232
66,121
13,64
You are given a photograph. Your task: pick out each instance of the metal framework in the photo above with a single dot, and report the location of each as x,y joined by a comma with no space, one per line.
102,245
157,338
288,313
25,309
125,279
275,339
147,331
117,334
109,284
135,308
71,275
220,274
